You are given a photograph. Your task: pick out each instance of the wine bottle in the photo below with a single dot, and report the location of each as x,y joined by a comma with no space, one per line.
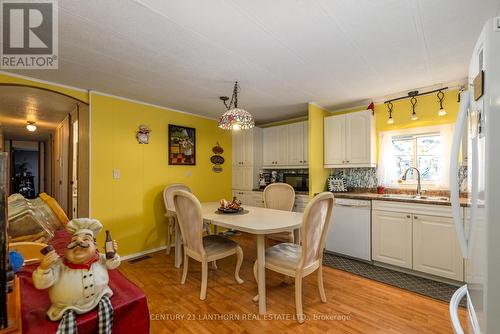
108,246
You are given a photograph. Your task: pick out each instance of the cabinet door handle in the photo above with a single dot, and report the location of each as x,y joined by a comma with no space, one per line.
300,161
408,216
415,217
347,161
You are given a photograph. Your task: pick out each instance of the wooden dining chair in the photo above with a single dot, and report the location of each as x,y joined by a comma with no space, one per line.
299,261
280,196
168,199
202,248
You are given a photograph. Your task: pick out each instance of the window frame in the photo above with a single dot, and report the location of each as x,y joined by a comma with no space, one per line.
414,137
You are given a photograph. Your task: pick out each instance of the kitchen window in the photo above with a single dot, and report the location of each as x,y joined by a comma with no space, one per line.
427,149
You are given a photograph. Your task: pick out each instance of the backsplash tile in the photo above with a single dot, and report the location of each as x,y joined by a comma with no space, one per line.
367,177
357,177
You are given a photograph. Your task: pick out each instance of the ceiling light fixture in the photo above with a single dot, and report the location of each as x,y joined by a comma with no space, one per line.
390,120
413,102
440,96
235,118
31,126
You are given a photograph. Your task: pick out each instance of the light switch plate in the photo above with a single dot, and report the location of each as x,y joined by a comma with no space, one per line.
116,174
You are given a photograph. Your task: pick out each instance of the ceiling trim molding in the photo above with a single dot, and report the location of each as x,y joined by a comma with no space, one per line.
149,104
318,105
42,81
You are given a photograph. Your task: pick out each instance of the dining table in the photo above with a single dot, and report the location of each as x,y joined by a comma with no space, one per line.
253,220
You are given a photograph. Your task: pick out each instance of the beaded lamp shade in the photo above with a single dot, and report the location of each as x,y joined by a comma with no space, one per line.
235,118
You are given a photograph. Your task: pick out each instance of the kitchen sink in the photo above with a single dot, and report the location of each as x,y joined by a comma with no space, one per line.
415,197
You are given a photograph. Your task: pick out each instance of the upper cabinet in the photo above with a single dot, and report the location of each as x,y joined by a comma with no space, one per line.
286,146
247,158
349,140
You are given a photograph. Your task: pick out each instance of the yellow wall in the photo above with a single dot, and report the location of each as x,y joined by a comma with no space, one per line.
317,173
81,95
132,206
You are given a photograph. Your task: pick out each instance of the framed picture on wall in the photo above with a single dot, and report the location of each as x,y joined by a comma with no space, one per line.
181,145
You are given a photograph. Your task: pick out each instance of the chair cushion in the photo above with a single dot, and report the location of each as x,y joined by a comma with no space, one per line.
285,255
215,244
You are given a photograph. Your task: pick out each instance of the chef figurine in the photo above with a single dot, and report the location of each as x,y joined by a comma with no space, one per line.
78,282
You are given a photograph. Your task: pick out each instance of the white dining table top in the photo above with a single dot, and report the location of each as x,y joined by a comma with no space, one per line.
256,221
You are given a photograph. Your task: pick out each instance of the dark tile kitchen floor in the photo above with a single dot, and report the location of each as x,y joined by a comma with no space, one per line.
420,285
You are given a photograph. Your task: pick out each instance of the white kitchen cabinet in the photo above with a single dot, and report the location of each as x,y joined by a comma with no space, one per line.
286,146
250,198
295,144
435,247
421,237
392,238
246,158
300,203
350,140
334,136
305,143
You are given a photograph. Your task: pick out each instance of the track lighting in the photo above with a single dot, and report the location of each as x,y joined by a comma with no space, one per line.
31,126
440,96
413,102
390,120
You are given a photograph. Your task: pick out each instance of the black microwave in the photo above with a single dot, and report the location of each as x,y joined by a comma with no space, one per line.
299,182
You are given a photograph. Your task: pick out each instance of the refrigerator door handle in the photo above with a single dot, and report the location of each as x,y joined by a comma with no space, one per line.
454,303
454,180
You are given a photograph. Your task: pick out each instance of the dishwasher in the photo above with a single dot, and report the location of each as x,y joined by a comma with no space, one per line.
349,232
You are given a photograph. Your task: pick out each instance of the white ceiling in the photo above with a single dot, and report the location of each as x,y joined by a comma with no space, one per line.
285,53
21,104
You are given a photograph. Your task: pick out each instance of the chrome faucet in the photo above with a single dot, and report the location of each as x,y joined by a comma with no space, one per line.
419,188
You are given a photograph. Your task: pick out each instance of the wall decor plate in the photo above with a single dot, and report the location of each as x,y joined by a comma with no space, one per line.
217,169
217,149
217,159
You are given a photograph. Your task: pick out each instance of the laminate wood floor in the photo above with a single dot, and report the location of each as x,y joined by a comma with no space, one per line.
355,304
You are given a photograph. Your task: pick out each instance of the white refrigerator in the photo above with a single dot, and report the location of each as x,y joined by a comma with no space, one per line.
479,231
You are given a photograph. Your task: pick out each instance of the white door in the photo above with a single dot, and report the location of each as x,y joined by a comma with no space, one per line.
334,140
295,144
269,146
281,145
435,247
305,143
357,127
392,238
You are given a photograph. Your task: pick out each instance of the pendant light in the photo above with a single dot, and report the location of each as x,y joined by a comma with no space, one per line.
413,102
390,120
235,118
31,126
440,96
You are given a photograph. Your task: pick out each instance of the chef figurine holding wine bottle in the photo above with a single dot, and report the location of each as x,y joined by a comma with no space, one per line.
78,282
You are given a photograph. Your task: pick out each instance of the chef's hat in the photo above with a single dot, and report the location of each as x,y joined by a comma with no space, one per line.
84,226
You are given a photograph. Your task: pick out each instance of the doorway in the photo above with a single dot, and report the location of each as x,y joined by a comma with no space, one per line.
46,134
25,164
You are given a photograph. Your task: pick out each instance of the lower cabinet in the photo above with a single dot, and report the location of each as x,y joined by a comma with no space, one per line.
392,238
251,198
402,236
435,247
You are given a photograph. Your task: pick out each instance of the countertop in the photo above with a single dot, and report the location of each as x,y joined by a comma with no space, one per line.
380,197
297,192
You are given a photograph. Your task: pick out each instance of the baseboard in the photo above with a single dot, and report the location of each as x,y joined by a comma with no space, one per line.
134,255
